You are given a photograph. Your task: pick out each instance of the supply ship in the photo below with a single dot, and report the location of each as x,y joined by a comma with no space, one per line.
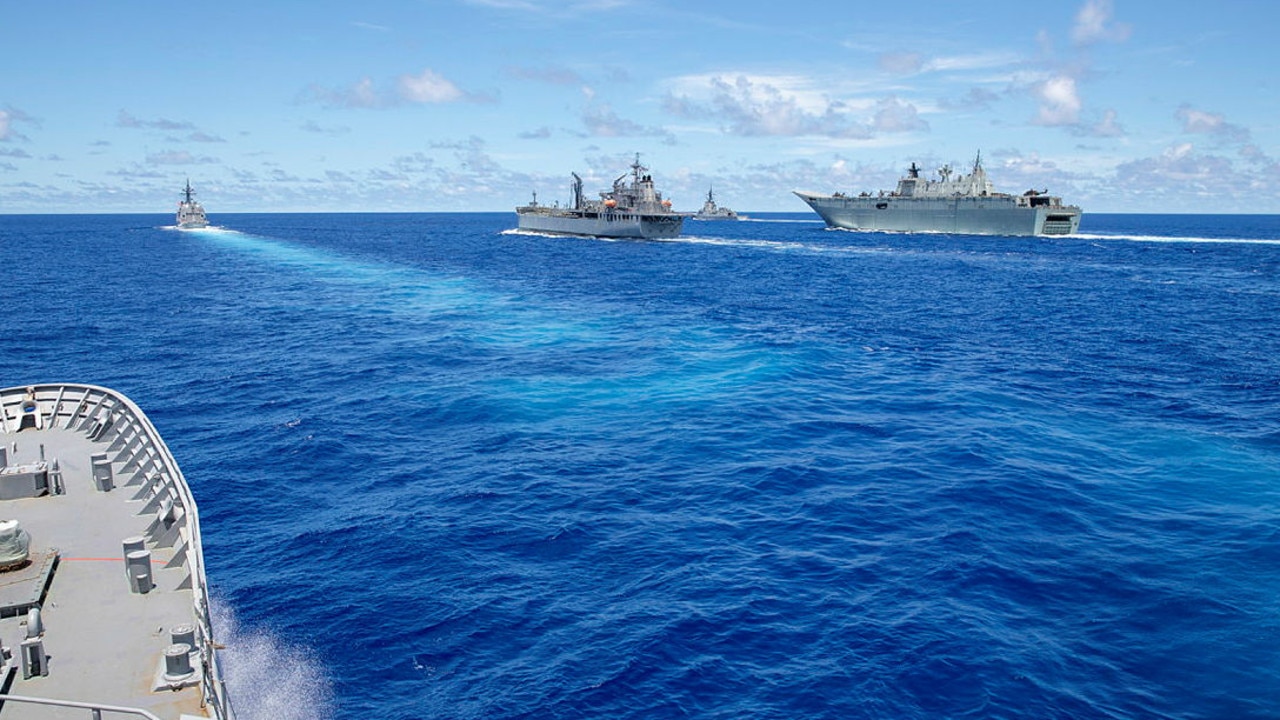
630,210
104,607
190,212
965,204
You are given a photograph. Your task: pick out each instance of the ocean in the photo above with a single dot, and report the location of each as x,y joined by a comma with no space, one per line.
765,470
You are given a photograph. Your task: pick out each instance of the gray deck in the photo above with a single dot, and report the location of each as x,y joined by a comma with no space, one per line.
105,643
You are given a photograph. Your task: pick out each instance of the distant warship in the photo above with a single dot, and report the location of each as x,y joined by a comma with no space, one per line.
711,211
190,213
629,210
962,204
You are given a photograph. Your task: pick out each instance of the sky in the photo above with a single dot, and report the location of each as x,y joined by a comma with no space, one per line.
473,105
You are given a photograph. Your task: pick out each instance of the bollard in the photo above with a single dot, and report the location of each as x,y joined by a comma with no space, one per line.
138,563
177,662
132,544
183,635
102,473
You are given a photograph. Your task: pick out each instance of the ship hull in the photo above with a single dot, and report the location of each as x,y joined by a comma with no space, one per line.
611,225
964,215
192,218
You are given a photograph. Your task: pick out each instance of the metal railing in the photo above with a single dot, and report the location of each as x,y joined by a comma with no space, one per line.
94,708
83,407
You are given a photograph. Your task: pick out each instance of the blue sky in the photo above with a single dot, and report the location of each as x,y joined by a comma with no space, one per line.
471,105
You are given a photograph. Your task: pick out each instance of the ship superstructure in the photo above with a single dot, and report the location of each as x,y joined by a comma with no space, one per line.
631,209
954,203
711,211
190,212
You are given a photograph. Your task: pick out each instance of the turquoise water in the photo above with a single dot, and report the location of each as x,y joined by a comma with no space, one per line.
765,470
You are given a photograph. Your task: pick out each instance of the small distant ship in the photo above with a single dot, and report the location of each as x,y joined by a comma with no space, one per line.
711,211
961,204
190,212
629,210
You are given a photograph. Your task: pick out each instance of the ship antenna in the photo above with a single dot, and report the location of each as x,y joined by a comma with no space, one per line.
977,162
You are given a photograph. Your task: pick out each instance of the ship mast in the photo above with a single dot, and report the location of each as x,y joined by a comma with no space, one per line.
636,167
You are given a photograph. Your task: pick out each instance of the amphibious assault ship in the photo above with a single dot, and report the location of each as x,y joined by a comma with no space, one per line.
629,210
103,602
952,204
190,212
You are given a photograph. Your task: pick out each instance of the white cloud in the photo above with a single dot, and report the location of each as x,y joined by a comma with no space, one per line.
910,63
975,61
5,132
361,95
1093,24
126,120
1207,123
1196,121
1059,101
753,89
786,105
312,126
893,115
603,121
1107,127
975,99
428,87
1181,174
178,157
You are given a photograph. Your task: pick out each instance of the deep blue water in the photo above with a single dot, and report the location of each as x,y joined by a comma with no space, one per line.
767,470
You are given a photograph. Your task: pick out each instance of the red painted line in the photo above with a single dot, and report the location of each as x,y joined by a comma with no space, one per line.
68,559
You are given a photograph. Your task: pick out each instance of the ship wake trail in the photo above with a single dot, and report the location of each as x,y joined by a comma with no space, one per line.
1175,239
268,678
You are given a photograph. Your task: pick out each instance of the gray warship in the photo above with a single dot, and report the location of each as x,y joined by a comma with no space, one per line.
952,204
104,606
711,211
190,212
629,210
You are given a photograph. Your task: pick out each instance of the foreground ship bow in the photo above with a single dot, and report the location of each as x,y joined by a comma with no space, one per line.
629,210
103,602
961,204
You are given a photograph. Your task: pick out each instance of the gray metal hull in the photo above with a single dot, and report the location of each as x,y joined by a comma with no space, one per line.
965,215
612,225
